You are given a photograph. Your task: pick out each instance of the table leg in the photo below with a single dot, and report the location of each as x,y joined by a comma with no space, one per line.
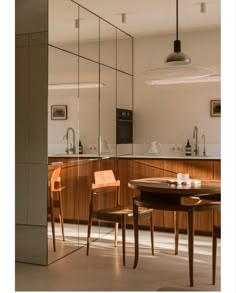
190,244
136,251
123,237
176,228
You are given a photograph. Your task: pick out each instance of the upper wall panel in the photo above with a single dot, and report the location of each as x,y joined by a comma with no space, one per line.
88,35
63,28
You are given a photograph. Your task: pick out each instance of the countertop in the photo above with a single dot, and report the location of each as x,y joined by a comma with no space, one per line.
135,156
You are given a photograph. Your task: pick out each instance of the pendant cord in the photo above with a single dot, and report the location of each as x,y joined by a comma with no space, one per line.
177,29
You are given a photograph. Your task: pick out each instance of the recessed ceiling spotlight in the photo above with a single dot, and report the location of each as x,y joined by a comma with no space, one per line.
76,23
123,17
203,7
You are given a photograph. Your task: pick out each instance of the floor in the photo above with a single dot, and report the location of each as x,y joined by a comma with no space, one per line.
102,270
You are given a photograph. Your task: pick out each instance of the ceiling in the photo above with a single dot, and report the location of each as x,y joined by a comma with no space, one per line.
155,17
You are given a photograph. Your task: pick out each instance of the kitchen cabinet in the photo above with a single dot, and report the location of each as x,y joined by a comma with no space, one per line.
78,174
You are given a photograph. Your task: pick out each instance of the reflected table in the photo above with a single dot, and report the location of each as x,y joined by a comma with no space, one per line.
165,194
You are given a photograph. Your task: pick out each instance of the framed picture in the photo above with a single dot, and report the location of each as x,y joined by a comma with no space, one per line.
215,108
58,112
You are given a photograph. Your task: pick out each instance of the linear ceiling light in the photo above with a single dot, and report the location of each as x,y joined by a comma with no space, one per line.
177,57
213,78
70,86
178,74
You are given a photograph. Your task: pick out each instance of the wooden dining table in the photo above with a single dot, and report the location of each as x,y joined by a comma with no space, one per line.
167,193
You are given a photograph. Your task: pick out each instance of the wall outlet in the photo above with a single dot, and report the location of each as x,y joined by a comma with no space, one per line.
176,149
92,147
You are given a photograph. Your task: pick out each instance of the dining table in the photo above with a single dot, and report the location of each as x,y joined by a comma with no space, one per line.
170,194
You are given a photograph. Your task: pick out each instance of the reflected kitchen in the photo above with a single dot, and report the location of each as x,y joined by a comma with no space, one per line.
105,99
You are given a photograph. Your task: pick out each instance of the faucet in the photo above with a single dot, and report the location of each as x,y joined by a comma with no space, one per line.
195,135
204,145
72,146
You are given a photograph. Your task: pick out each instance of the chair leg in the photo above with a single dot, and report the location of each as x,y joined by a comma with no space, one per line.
116,233
123,224
151,230
53,229
176,229
61,216
214,244
89,232
52,221
53,232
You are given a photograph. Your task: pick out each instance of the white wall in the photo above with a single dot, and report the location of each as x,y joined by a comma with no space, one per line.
167,113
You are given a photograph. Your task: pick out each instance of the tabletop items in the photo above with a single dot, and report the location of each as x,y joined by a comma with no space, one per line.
183,179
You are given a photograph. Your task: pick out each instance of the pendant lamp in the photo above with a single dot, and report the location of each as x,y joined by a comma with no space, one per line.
177,57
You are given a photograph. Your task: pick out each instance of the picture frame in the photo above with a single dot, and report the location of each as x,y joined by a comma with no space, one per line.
215,108
58,112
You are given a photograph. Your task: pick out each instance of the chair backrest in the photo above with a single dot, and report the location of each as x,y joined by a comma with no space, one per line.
103,177
105,182
55,178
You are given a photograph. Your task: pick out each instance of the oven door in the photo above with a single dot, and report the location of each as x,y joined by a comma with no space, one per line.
124,131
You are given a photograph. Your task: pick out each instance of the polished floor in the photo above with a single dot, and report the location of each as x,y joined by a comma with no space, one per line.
102,270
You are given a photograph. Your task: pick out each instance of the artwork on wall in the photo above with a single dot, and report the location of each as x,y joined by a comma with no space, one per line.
215,108
58,112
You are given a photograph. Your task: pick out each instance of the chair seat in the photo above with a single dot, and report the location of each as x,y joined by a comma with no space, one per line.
115,214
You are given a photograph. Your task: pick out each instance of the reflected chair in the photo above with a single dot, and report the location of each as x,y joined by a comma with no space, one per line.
105,183
216,233
55,202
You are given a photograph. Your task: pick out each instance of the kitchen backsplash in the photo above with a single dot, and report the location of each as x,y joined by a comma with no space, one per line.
176,149
171,150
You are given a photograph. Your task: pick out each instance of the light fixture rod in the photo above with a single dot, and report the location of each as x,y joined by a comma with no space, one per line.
177,20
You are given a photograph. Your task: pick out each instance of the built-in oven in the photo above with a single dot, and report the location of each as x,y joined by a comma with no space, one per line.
124,126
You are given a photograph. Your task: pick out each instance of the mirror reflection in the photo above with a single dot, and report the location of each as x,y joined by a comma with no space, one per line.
62,18
124,52
107,111
124,114
107,44
88,119
90,76
88,35
63,237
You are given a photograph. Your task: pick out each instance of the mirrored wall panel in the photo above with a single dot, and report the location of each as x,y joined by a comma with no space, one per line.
125,113
63,135
88,119
63,24
88,35
62,102
124,91
124,52
107,44
107,111
90,76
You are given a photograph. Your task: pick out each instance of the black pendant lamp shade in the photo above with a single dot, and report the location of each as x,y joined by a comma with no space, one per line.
177,57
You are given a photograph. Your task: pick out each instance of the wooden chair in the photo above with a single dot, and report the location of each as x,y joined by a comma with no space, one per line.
55,202
105,183
216,233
